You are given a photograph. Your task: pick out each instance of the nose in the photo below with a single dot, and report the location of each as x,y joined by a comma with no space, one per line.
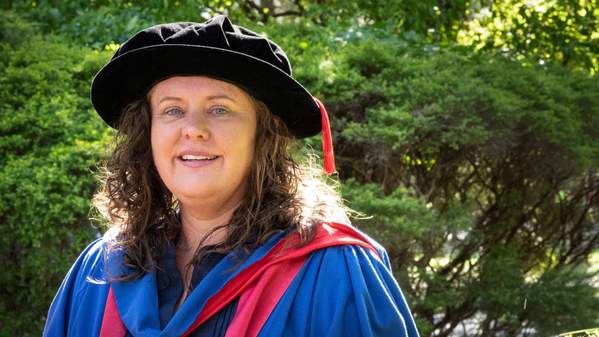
196,127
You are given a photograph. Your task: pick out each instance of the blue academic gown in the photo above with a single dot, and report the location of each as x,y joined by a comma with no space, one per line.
344,290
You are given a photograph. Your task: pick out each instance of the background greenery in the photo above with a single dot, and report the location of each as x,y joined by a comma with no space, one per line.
469,130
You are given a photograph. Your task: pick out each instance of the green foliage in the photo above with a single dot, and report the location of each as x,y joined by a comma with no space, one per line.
13,30
100,23
552,297
507,151
393,212
468,102
501,296
50,142
563,31
479,170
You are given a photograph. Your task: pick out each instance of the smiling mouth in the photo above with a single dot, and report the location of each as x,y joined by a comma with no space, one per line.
197,158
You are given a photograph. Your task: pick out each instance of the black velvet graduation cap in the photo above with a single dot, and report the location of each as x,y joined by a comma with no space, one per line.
218,49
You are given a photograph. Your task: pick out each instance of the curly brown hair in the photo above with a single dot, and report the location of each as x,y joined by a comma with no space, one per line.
283,195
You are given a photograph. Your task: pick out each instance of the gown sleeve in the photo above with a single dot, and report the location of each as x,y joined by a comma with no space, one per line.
343,291
78,306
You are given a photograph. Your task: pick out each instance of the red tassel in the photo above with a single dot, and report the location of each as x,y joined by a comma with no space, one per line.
327,139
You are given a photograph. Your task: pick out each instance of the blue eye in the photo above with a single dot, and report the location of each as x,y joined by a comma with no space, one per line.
220,111
173,112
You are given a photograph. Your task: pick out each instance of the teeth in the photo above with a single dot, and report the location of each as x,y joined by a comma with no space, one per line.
192,157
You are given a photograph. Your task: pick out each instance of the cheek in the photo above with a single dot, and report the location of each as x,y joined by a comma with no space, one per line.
250,144
244,143
154,144
159,141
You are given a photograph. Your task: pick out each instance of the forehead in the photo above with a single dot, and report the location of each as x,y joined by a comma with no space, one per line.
196,85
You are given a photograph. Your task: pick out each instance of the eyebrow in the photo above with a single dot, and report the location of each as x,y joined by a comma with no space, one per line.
175,98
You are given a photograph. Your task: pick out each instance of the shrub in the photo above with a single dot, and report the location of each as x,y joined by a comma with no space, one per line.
50,141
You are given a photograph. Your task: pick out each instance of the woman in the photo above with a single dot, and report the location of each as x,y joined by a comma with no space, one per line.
215,229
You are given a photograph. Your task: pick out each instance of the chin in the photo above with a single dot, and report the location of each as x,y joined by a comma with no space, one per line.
195,192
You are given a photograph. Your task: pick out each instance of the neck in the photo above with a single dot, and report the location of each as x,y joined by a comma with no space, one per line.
197,223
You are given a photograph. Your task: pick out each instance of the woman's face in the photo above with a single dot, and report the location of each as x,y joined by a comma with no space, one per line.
202,134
